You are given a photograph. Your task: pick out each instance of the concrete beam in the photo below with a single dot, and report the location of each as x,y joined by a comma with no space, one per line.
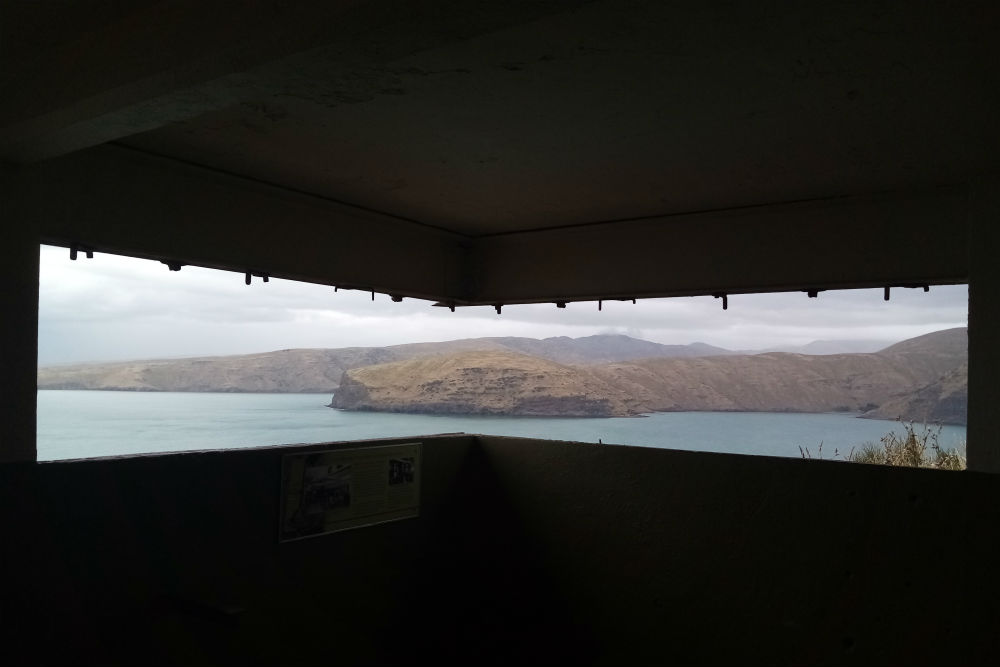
893,239
983,445
18,338
114,199
163,62
123,77
222,221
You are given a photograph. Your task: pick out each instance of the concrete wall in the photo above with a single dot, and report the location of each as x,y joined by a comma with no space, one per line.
681,557
123,201
18,338
850,242
984,324
525,551
174,560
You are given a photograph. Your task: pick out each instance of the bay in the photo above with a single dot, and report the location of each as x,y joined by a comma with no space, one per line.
85,424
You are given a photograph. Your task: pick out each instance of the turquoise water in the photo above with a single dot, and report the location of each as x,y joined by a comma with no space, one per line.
81,424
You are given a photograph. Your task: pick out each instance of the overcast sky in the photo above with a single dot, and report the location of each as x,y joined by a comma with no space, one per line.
115,308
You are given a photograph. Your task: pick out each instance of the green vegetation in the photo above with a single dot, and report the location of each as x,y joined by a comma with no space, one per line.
915,449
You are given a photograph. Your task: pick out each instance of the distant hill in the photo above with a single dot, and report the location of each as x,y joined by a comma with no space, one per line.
320,370
284,371
776,382
606,375
933,353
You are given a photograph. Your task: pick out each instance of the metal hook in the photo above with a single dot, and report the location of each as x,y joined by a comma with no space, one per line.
497,307
725,299
885,295
75,247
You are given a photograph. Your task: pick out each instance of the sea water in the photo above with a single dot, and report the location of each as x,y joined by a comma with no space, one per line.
83,424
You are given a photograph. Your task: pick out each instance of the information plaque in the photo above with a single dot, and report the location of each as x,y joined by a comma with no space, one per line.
338,489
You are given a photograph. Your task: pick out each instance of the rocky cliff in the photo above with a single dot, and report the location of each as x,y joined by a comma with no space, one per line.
480,383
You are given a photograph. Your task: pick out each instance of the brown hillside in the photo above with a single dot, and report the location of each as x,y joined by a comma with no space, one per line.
944,401
764,382
283,371
933,354
506,383
491,382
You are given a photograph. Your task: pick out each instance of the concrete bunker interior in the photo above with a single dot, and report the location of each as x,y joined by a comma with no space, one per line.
484,154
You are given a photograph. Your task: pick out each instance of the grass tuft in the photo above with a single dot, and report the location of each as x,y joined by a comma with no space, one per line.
914,449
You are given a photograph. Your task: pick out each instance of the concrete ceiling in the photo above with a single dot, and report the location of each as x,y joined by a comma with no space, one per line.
489,118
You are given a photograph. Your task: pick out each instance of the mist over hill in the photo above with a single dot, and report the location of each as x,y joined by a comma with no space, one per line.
828,347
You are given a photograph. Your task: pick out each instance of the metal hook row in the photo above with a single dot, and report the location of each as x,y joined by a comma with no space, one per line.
174,265
812,293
